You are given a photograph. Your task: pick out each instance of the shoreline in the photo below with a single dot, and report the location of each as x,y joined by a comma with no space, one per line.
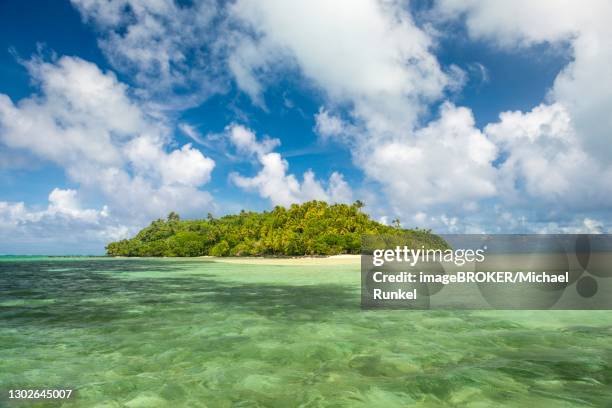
298,260
323,260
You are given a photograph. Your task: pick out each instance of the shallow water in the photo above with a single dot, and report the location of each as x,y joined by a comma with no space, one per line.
147,333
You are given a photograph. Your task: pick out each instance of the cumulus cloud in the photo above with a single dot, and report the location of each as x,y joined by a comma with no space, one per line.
65,202
64,217
332,127
447,161
379,70
328,125
584,86
446,167
545,182
367,54
557,156
273,181
85,121
165,46
185,166
246,143
338,190
62,204
545,160
378,77
541,180
82,114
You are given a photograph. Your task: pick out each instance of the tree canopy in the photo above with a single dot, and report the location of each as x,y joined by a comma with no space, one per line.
312,228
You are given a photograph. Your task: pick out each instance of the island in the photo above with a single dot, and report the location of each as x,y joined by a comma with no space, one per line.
314,228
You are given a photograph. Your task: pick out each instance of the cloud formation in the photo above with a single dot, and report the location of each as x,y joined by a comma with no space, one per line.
63,222
168,48
273,181
368,55
545,161
383,94
584,86
447,161
84,121
379,75
560,151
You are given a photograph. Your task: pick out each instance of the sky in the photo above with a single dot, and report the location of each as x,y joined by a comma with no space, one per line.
459,116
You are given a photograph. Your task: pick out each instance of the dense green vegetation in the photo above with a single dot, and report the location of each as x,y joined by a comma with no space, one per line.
312,228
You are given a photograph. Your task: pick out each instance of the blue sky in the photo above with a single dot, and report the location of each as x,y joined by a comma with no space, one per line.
468,116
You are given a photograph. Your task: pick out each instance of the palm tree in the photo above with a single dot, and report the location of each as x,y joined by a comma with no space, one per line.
396,223
173,217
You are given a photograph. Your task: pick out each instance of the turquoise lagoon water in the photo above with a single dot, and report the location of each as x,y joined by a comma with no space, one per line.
191,333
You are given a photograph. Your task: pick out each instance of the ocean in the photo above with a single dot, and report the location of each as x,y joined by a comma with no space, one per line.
193,333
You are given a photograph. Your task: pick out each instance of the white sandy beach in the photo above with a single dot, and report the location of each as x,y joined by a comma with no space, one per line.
302,260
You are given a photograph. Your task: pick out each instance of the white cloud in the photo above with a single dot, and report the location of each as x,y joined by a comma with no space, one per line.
192,133
65,202
545,161
338,190
330,126
378,76
519,22
246,143
186,166
63,220
367,54
83,114
593,226
273,182
584,86
557,158
446,167
543,181
85,121
373,63
447,161
163,45
578,226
